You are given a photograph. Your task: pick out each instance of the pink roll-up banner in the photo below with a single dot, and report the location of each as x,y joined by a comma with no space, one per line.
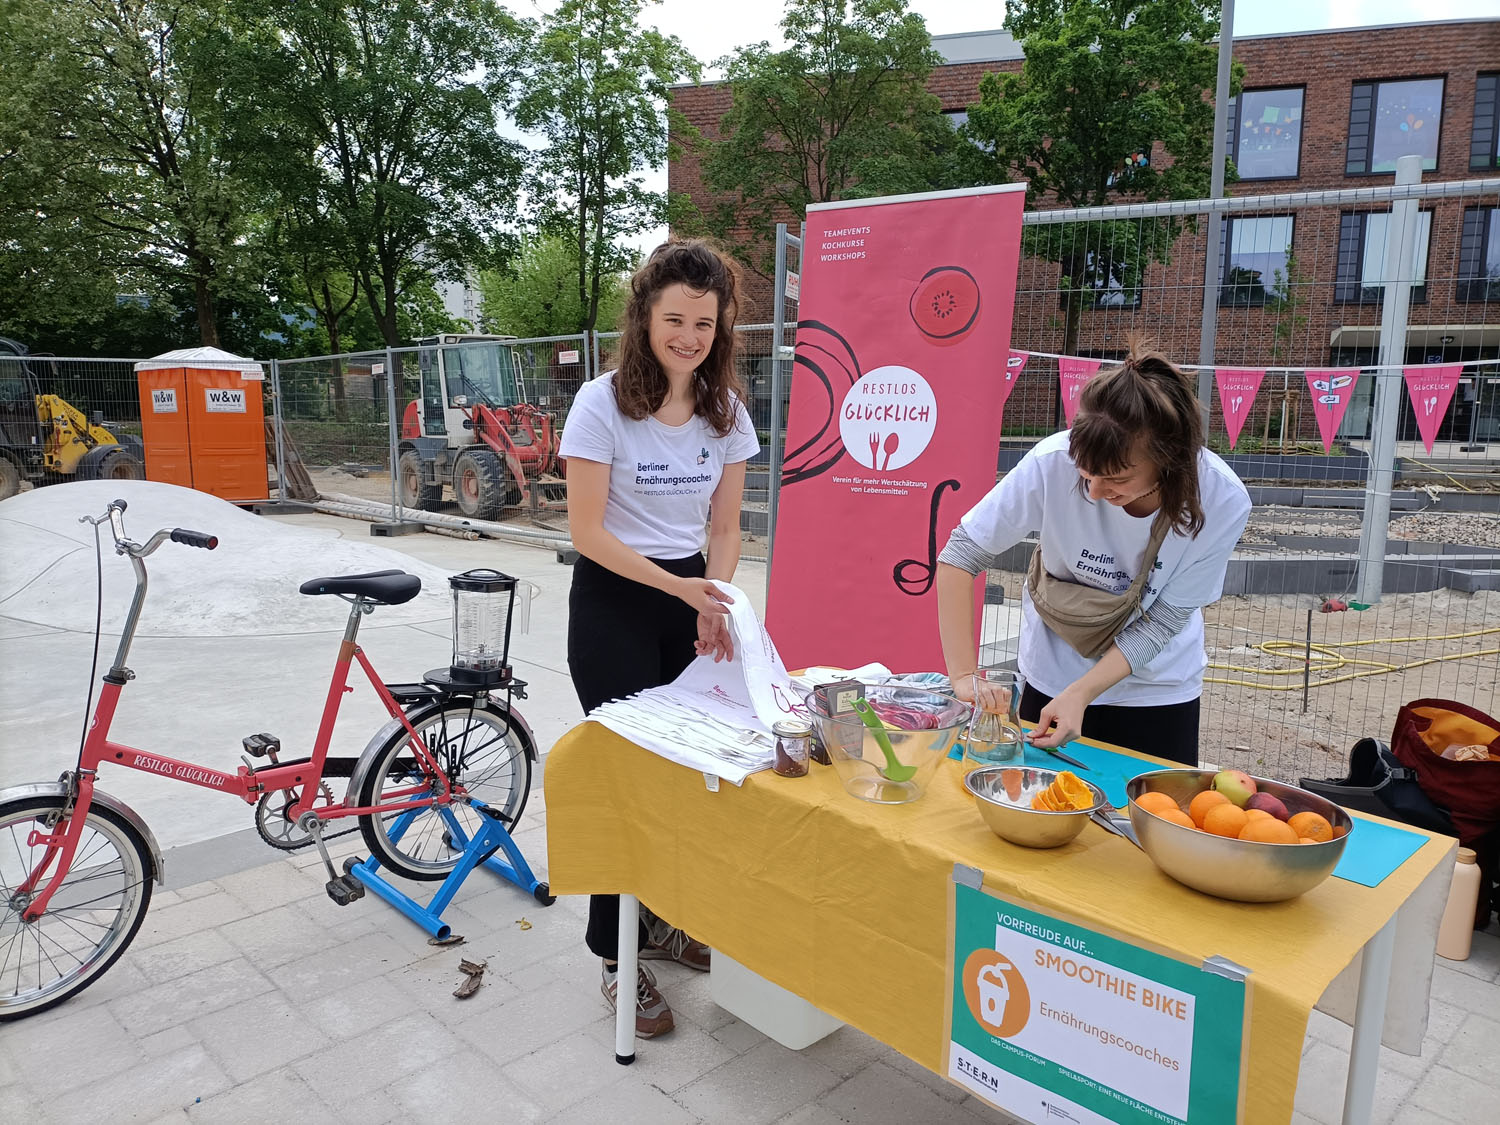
1238,387
1431,388
893,429
1332,389
1072,373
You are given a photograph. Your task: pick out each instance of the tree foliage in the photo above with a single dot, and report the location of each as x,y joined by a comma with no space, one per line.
597,95
841,112
538,294
1104,84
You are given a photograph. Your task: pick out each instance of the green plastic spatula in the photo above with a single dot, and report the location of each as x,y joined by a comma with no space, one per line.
894,770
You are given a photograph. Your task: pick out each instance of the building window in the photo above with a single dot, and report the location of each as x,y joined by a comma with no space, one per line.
956,117
1393,119
1479,255
1265,133
1484,142
1105,283
1361,262
1255,260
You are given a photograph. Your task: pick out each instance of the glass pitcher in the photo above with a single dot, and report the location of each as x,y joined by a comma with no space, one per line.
994,737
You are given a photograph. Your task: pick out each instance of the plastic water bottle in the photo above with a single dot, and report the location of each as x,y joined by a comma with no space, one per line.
1457,928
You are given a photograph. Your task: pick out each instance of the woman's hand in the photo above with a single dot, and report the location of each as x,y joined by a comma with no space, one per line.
714,636
963,686
1061,720
702,594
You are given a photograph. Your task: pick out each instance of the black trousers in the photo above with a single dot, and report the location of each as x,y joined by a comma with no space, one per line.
1167,730
624,637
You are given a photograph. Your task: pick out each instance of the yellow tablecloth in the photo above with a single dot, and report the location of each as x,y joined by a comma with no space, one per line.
845,903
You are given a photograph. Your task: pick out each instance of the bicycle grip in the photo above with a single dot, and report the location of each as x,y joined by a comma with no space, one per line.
195,538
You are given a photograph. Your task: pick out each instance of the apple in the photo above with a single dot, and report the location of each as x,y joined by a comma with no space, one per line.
1235,784
1267,803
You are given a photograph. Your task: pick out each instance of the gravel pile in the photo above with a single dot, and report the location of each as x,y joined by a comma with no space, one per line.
1428,527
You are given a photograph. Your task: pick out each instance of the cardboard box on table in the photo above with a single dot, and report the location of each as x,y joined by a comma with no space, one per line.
203,422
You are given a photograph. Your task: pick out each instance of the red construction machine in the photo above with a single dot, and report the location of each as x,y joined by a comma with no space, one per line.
473,427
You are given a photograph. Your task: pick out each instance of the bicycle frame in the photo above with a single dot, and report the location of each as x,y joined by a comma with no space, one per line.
248,782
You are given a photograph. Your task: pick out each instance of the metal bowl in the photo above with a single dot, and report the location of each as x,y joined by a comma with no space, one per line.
1241,870
1014,819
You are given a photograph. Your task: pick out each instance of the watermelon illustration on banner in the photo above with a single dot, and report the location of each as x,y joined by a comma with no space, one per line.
1332,388
1238,387
1072,373
1431,389
1015,363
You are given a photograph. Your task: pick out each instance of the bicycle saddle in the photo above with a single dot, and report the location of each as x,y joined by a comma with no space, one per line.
388,587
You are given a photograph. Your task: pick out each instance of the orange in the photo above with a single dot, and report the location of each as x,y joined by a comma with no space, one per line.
1305,840
1259,814
1311,825
1225,819
1157,803
1268,831
1074,793
1204,801
1176,816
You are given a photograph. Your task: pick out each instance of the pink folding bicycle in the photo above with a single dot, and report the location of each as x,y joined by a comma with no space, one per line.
77,865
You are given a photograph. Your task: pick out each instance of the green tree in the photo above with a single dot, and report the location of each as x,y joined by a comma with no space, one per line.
114,157
1104,83
538,294
843,111
391,106
598,94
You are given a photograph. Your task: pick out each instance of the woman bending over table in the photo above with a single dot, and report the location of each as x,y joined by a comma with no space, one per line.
1136,521
656,451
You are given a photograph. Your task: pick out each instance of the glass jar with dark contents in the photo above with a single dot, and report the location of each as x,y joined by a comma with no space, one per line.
793,745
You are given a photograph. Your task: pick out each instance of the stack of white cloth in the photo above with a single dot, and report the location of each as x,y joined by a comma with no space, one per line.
715,717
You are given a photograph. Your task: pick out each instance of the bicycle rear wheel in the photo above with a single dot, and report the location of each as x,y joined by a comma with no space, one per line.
482,752
92,917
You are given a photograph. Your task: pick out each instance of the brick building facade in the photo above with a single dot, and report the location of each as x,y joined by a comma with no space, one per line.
1318,111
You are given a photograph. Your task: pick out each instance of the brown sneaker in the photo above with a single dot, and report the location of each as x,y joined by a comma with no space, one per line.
665,942
652,1015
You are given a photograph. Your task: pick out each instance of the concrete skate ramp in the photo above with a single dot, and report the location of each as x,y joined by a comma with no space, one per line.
246,587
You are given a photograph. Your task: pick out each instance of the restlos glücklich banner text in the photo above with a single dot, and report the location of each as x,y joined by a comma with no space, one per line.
893,428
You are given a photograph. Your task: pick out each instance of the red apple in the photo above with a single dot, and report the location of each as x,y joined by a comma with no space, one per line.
1267,803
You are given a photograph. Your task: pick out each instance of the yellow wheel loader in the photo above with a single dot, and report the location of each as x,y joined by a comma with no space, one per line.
44,439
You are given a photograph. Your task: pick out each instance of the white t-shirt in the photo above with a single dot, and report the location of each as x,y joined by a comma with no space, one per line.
1102,545
661,477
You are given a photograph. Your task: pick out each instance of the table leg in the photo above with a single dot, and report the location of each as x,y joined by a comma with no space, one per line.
630,924
1369,1020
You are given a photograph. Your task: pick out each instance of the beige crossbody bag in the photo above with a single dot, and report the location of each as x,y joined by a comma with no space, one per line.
1089,618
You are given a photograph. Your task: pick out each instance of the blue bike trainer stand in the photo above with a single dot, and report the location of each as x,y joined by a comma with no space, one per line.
490,837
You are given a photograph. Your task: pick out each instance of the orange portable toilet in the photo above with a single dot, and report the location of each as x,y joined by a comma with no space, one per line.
203,422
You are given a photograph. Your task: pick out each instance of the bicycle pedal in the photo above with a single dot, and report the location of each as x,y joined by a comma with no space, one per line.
262,745
345,889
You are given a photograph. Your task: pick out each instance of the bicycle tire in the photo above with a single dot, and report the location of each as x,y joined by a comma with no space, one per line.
77,939
496,770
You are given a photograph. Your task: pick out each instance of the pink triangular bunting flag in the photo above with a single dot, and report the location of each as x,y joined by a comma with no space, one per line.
1072,373
1332,389
1431,389
1015,363
1238,387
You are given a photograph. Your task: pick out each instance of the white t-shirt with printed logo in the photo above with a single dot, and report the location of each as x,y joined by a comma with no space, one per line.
661,477
1102,545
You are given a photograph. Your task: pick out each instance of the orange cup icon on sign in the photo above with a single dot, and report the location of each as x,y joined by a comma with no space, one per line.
996,993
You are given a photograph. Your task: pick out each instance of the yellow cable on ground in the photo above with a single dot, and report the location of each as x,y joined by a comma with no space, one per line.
1325,658
1439,472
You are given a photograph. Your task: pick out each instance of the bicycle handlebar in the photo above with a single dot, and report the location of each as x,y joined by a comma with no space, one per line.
115,515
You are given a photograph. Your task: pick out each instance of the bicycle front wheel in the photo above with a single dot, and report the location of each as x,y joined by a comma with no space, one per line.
485,755
91,918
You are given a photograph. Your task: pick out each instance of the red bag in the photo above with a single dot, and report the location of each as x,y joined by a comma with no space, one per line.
1470,791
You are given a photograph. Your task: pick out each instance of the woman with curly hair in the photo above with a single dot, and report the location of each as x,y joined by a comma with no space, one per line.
656,452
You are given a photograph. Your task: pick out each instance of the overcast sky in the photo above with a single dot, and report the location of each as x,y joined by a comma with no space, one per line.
712,29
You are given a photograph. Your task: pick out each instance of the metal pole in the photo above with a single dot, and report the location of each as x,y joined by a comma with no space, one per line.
1400,242
778,328
280,420
1369,1022
1208,330
393,428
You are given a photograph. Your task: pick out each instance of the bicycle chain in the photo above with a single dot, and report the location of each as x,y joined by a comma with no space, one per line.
289,843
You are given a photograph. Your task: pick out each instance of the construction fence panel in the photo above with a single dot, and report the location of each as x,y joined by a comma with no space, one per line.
1297,668
335,421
